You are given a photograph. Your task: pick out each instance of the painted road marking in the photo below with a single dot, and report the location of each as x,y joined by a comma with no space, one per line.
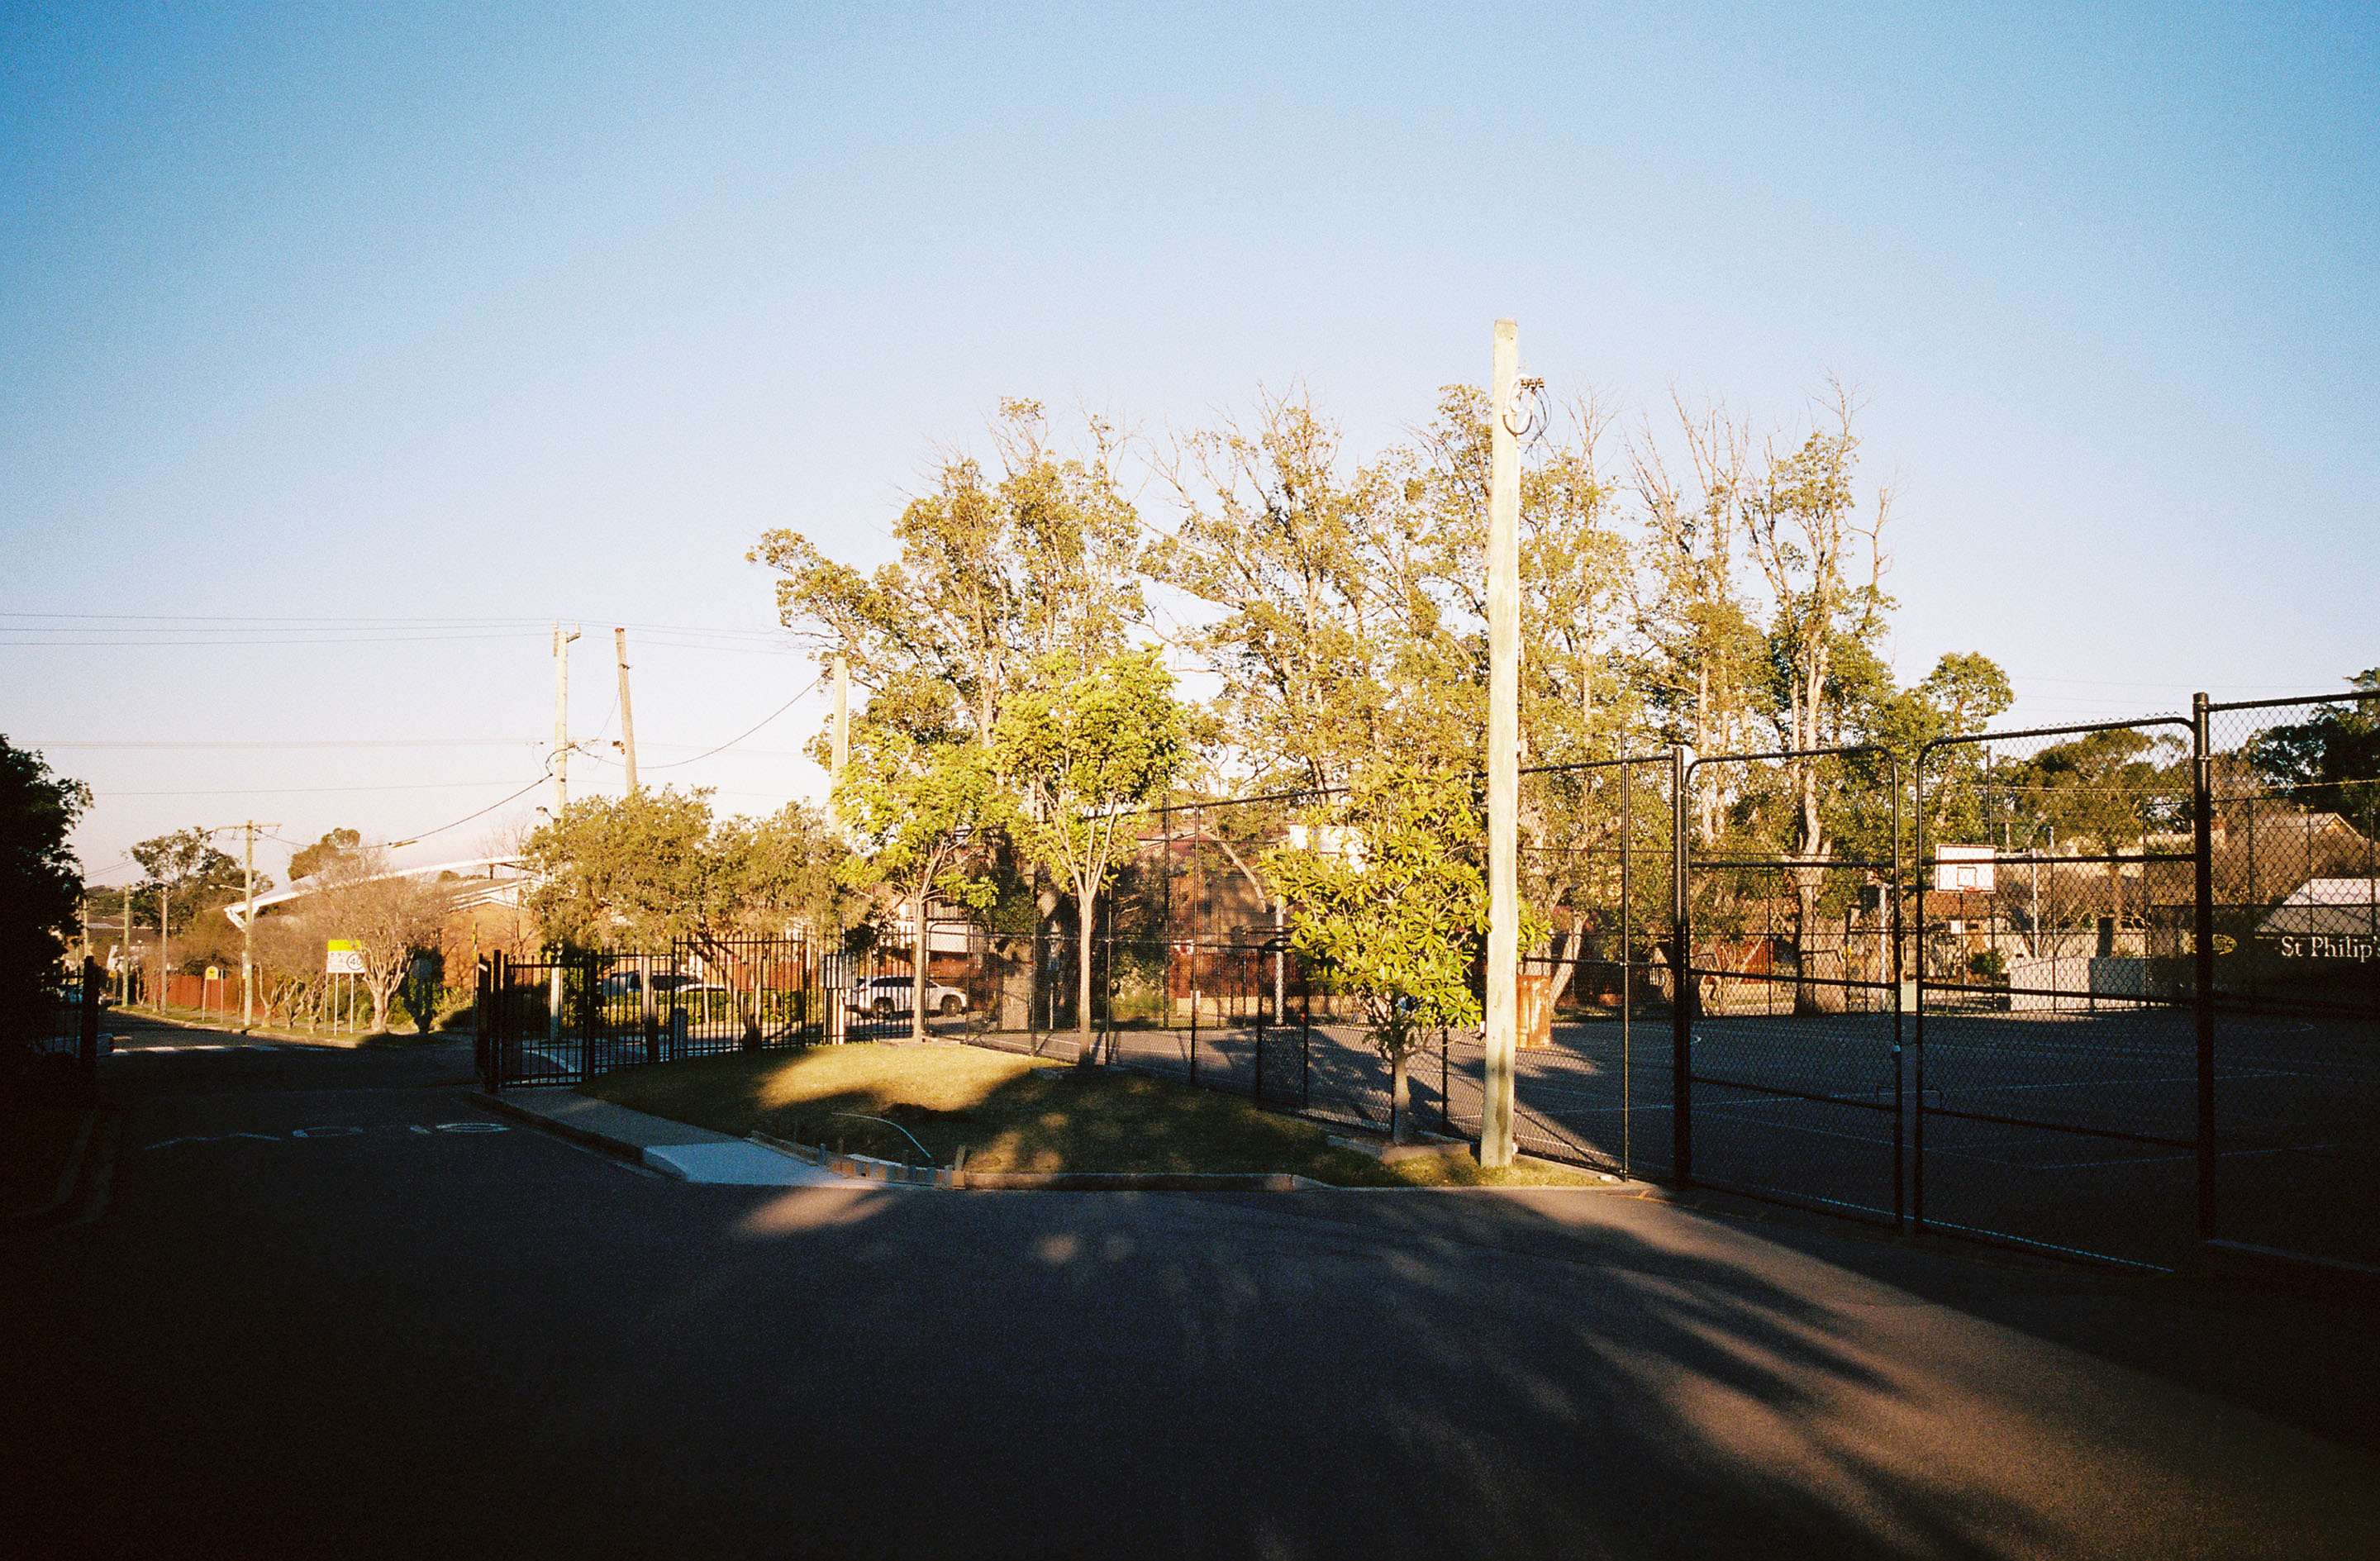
129,1050
331,1131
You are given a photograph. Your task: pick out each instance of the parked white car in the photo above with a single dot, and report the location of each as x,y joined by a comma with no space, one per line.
885,997
628,982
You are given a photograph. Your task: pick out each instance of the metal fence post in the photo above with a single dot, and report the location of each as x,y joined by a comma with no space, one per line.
1257,1095
2203,942
1682,981
1305,1037
1892,917
1917,988
94,982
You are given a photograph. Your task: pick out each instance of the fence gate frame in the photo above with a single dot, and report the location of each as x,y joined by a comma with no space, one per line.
1667,766
1685,1005
2202,1145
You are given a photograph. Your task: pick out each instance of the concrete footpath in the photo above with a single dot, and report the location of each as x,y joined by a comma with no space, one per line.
690,1154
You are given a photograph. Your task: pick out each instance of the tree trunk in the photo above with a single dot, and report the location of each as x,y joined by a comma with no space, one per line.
1400,1100
1087,1050
918,957
1565,968
381,992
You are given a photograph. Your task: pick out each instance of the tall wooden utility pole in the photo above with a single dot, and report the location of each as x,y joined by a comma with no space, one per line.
842,716
1501,1038
561,799
561,717
247,932
164,934
628,720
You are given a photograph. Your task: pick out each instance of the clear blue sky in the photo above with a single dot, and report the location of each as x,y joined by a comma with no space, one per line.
470,314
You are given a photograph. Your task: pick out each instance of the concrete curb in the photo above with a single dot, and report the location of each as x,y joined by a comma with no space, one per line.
1147,1181
863,1167
571,1130
68,1176
652,1158
870,1169
891,1173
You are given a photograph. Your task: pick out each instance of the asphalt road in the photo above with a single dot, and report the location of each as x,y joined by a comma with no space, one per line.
329,1307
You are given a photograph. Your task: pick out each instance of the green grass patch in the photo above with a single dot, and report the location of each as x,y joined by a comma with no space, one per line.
1015,1114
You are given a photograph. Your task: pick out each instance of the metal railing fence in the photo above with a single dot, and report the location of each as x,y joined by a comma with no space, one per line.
2109,990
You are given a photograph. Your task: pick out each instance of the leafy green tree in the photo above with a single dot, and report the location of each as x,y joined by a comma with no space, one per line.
41,884
1087,756
1398,914
640,871
2107,790
1311,590
184,874
919,808
1807,536
309,860
1699,655
387,916
996,574
654,867
2330,762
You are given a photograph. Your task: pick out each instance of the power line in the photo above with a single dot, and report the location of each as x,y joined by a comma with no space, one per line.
303,791
358,743
679,764
483,813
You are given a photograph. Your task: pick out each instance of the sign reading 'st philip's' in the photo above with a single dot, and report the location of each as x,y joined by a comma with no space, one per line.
344,959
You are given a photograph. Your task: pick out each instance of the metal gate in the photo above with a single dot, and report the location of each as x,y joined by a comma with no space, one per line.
2059,1056
1786,1033
1592,1078
2293,968
538,1021
567,1019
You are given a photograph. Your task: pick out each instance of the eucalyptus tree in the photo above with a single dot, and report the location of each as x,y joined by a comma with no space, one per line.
1822,564
1084,754
1001,570
658,867
996,573
1306,584
919,800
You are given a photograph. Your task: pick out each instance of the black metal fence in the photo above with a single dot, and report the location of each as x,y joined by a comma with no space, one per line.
2286,945
61,1050
2058,1061
2108,990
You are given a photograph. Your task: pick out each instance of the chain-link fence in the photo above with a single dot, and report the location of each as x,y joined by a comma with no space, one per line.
2108,990
1790,1032
2057,1081
2292,870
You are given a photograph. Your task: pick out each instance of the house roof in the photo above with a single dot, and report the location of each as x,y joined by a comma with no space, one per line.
487,886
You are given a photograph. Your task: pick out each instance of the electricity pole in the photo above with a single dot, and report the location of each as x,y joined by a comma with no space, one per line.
124,963
561,798
561,718
164,921
627,722
247,933
1500,1038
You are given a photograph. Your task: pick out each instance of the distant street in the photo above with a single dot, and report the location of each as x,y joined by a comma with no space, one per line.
331,1306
